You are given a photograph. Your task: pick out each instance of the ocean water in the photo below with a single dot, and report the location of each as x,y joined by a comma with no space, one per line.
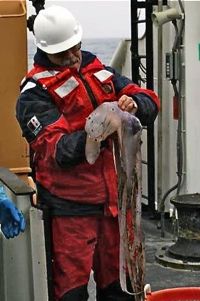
102,48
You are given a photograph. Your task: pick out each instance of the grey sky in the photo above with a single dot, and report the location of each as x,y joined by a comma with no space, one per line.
99,18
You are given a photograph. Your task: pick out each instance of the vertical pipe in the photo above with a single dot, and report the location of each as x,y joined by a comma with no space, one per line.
159,141
134,42
150,128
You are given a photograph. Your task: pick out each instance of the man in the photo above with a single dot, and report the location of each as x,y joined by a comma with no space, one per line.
11,219
64,87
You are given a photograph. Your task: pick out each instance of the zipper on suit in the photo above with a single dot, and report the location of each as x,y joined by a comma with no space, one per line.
89,91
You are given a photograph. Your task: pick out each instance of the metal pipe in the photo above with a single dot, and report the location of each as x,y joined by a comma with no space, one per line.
150,128
160,119
179,92
135,61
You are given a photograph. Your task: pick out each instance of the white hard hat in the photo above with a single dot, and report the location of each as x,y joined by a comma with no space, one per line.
56,30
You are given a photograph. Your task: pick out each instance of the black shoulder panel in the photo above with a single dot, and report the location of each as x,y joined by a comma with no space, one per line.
35,110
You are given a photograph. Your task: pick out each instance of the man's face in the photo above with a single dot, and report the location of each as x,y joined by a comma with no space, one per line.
70,58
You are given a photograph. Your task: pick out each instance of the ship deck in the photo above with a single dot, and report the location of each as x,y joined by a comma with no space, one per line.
174,274
157,275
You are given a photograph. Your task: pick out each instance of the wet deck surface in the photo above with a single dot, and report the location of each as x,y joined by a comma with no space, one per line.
158,276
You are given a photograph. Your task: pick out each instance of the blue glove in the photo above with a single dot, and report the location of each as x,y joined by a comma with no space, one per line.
11,219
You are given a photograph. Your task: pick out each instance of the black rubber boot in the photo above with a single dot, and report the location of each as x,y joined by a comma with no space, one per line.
113,292
77,294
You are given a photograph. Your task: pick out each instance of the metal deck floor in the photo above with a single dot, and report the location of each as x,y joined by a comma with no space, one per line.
158,276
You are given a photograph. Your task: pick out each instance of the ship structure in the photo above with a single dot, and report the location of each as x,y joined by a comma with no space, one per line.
163,54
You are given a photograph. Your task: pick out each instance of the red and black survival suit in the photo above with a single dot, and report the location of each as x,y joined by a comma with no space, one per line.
52,110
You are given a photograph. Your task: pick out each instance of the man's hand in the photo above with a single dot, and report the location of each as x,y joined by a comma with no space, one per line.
126,103
11,219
